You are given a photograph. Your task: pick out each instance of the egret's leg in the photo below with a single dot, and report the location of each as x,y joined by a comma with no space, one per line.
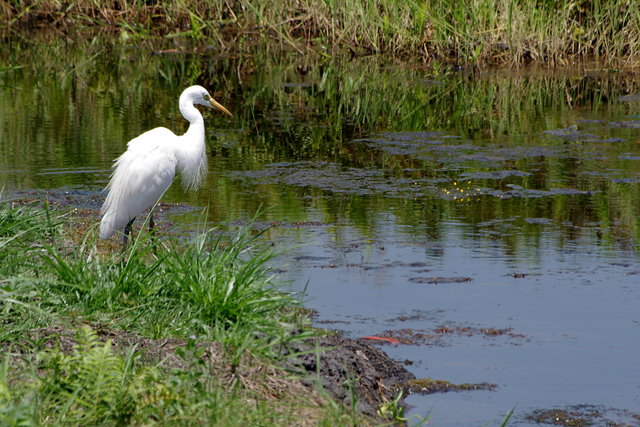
152,232
152,225
127,231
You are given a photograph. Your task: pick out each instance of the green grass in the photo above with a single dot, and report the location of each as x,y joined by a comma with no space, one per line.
470,32
174,333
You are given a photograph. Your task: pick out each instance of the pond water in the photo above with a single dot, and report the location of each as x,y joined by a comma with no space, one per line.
488,221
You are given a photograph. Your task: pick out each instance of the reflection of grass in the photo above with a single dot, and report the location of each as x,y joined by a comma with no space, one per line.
212,302
309,112
312,108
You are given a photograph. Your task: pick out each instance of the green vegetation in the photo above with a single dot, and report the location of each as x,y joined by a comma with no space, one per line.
470,32
189,335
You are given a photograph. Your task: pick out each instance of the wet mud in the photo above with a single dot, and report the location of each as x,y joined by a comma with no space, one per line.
442,336
430,386
584,416
440,280
345,368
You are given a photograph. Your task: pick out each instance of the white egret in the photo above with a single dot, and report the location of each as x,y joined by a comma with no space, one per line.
144,172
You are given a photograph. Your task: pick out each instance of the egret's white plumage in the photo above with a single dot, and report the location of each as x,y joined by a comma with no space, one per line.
144,172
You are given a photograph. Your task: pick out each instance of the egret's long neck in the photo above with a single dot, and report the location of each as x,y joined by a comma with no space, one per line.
196,122
191,153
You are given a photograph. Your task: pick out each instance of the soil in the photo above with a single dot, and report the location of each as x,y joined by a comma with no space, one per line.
583,415
346,369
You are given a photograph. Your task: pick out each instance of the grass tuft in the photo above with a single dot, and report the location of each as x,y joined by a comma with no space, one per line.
223,280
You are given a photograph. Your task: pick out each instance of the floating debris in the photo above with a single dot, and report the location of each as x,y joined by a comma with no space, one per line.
633,124
590,122
583,416
609,140
571,134
414,143
494,174
419,136
440,280
625,180
389,340
337,179
628,157
438,336
431,386
543,221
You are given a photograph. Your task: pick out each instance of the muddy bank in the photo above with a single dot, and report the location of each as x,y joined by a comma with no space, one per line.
345,368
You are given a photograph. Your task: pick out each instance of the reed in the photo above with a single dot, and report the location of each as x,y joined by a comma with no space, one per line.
481,32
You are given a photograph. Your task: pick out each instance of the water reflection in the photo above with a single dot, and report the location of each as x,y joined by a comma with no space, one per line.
386,177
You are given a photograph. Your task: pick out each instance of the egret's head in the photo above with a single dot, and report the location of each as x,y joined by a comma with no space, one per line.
210,102
200,95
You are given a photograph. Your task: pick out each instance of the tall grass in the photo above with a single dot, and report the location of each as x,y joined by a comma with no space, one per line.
470,31
213,299
215,282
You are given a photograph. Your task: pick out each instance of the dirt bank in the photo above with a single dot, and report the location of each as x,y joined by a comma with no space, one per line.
344,368
345,365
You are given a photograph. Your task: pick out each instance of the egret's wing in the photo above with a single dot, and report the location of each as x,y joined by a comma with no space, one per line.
141,175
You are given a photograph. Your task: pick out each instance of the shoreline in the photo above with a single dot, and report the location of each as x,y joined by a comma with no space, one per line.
309,365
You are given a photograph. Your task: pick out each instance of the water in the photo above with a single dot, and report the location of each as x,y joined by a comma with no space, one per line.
488,221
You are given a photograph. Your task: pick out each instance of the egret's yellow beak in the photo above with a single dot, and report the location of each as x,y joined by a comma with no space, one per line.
215,104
